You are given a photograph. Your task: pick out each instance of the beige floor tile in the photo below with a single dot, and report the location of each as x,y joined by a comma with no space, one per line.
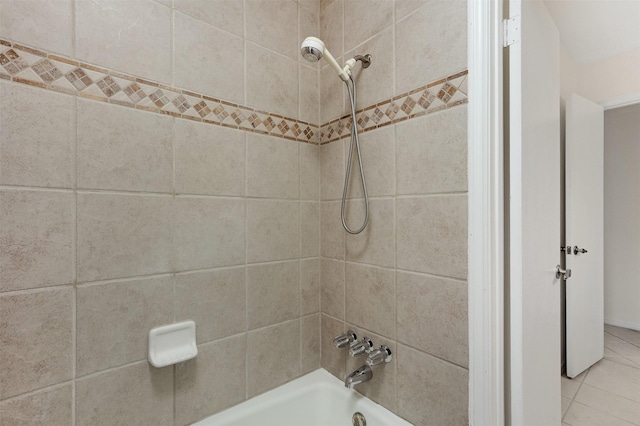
570,387
609,403
582,415
615,378
566,402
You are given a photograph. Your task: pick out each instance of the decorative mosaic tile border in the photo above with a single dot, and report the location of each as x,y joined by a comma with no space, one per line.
26,65
445,93
23,64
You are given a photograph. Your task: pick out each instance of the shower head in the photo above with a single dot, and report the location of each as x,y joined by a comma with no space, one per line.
313,49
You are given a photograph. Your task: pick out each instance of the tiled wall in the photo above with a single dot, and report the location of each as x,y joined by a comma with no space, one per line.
120,212
158,162
402,282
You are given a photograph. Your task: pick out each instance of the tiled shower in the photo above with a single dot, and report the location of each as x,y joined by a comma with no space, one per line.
177,159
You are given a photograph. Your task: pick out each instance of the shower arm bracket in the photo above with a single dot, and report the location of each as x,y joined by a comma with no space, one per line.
366,61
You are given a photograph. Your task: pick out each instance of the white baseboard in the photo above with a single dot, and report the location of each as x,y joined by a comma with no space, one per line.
624,324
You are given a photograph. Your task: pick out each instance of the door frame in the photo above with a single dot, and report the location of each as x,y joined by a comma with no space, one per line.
486,213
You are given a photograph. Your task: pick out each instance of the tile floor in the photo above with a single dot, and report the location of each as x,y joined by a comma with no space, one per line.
608,393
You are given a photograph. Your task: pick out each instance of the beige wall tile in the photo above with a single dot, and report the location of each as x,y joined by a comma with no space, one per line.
309,229
332,168
271,24
272,230
431,391
134,37
37,234
310,343
121,148
382,389
442,304
36,332
308,25
404,7
208,60
273,356
375,83
209,232
273,293
123,235
378,161
135,394
309,92
209,159
309,172
432,235
38,137
309,286
215,300
51,406
113,321
224,14
331,26
333,96
272,80
331,233
332,359
332,291
212,381
372,17
273,167
375,245
430,44
432,153
371,299
42,24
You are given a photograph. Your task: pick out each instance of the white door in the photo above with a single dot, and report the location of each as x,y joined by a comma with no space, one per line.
534,218
584,227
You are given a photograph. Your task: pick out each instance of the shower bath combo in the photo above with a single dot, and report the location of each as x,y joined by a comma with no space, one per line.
313,49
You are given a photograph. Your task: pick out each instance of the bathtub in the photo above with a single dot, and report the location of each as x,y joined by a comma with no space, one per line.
316,399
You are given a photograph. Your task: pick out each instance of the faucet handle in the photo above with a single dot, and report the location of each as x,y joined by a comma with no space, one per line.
362,347
378,356
345,339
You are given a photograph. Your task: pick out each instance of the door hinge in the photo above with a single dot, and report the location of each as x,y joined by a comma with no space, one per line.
511,30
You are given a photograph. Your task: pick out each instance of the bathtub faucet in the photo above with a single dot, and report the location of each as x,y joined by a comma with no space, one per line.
360,375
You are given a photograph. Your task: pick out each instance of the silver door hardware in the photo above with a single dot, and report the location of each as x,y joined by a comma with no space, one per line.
564,273
566,249
577,250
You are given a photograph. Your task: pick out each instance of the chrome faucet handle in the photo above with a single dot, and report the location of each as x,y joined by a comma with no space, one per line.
378,356
345,339
362,347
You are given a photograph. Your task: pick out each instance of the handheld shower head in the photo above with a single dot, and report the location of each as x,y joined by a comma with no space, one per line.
313,49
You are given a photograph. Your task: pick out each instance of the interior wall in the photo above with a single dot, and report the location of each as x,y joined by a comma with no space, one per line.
403,281
158,162
621,212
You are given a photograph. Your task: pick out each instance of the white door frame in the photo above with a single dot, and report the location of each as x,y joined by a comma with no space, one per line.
486,219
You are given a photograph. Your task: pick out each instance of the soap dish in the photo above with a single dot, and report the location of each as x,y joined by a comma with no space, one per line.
173,343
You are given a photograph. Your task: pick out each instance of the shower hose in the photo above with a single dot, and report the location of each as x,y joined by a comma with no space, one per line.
351,88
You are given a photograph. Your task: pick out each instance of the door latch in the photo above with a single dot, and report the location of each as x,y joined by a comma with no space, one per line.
565,274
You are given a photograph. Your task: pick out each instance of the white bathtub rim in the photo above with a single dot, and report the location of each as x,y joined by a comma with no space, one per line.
316,378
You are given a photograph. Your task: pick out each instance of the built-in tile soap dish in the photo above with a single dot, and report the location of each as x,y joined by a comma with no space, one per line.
173,343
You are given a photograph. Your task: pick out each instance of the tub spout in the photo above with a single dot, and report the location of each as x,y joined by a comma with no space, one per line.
360,375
